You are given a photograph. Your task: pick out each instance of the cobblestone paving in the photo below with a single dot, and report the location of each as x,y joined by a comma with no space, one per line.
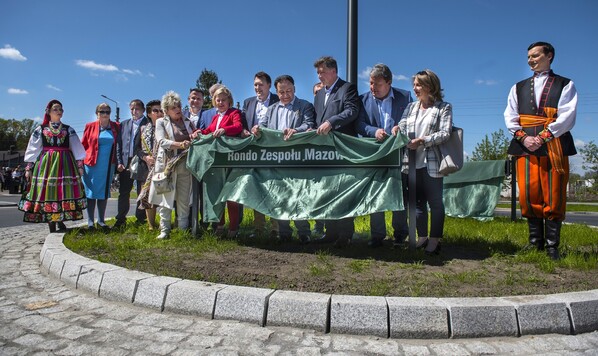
39,315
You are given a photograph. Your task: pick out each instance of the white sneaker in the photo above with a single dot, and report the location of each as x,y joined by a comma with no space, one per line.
163,235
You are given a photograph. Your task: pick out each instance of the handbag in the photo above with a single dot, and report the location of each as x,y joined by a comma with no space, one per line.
451,153
134,167
162,182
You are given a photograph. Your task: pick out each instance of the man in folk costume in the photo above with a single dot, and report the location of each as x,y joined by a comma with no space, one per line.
540,113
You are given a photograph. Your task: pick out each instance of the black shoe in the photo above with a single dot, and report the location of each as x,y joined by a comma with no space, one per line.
304,239
326,239
399,243
119,224
91,228
374,243
273,234
342,242
436,251
422,243
52,226
553,253
104,228
60,226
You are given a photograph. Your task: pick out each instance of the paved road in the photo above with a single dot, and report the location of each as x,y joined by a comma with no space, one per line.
40,315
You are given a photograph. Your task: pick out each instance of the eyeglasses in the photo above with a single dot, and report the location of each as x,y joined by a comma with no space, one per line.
58,110
104,112
157,110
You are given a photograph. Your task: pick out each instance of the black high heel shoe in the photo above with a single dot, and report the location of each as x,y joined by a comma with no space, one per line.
60,226
52,226
435,251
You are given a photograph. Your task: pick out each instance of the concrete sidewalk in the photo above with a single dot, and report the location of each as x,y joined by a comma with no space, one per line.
42,314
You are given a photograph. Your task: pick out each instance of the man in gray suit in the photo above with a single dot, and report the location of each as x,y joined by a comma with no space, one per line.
383,108
289,115
124,154
254,110
337,107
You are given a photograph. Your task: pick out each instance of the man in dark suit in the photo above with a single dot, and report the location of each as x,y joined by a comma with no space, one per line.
290,115
254,110
383,108
195,109
124,154
337,107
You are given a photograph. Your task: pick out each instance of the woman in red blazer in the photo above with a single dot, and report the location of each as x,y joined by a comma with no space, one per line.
99,140
227,121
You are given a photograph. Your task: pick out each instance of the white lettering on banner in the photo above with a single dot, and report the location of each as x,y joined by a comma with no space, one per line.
313,155
291,155
242,156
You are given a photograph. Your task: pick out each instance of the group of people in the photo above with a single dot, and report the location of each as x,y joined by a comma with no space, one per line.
68,175
12,179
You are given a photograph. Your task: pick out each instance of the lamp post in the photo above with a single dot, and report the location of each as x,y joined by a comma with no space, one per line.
352,41
117,108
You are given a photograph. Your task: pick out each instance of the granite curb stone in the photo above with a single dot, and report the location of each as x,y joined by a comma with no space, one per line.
192,297
151,292
121,285
418,318
299,309
539,314
243,304
359,315
395,317
481,317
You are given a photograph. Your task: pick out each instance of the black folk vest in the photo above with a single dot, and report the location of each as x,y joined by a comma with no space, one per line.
526,101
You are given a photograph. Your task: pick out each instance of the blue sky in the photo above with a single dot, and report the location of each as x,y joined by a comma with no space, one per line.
77,50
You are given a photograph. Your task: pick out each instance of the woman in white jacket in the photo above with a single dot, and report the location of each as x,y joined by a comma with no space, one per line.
173,139
431,121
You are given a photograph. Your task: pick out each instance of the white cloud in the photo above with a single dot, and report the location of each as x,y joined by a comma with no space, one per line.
96,66
365,74
37,119
17,91
579,143
50,86
9,52
486,82
133,72
400,77
151,75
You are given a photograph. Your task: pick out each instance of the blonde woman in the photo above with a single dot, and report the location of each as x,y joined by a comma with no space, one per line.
173,139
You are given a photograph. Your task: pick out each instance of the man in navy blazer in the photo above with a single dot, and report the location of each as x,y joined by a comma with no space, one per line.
124,154
254,109
337,107
383,108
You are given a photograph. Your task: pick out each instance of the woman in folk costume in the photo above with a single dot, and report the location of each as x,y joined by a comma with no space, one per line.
54,159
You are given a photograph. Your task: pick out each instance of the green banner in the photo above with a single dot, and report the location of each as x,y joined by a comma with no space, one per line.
275,177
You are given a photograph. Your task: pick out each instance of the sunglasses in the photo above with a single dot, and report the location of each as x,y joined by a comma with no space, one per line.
104,112
58,110
157,110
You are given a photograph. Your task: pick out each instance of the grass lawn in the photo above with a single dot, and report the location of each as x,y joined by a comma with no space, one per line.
477,259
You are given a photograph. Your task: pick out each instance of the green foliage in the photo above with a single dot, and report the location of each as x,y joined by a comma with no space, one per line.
589,152
15,133
494,148
206,79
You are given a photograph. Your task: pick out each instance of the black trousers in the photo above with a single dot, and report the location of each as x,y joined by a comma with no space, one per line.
124,195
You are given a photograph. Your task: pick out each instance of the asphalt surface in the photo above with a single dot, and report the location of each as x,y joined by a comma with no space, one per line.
39,315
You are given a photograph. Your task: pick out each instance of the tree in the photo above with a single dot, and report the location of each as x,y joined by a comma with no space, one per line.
589,153
494,148
15,133
206,79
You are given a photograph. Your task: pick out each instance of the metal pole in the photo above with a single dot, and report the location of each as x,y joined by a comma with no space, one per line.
352,42
117,108
513,189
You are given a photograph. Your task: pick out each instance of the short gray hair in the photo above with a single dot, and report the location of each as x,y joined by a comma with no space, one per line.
169,100
215,87
381,70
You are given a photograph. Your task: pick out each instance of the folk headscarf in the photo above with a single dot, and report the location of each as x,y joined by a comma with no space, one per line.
47,112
